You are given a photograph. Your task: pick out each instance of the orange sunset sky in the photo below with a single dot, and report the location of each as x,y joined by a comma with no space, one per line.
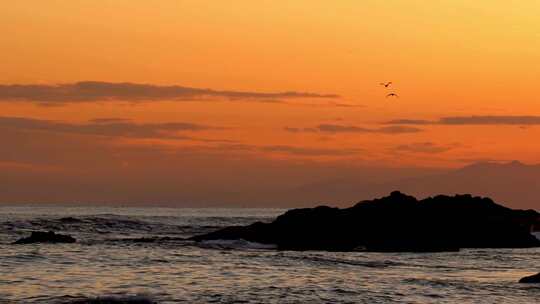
129,101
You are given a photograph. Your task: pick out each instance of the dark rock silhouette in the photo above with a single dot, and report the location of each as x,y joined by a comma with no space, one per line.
395,223
531,279
70,220
46,237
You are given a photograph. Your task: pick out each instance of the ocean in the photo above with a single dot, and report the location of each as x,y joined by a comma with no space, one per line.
109,264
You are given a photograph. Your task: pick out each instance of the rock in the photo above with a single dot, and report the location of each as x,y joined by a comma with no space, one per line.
531,279
396,223
70,220
46,237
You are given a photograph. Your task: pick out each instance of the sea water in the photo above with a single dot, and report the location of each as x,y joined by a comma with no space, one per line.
110,263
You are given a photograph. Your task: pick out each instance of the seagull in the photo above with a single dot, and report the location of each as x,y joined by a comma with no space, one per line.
386,85
392,95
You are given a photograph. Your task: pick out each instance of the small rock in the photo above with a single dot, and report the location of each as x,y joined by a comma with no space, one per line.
531,279
70,220
46,237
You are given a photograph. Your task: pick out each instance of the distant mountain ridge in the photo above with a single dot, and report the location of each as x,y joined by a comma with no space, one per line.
514,184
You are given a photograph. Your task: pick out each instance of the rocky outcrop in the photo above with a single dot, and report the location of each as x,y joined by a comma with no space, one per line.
395,223
531,279
46,237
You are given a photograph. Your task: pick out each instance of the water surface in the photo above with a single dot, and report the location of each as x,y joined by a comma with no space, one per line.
106,262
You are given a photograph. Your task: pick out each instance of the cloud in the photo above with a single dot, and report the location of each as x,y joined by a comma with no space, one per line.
409,122
330,104
299,130
491,120
280,149
396,130
107,127
333,128
472,120
13,128
109,120
481,160
95,91
305,151
423,147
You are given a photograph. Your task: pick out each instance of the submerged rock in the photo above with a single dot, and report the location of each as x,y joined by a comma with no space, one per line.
46,237
397,223
531,279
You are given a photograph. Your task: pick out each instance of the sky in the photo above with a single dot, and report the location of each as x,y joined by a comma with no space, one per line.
159,101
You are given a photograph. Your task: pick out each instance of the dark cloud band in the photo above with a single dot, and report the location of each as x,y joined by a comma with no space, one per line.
333,128
95,91
105,128
424,147
472,120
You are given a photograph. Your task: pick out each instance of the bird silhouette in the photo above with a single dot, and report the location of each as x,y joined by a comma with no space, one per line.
392,95
387,84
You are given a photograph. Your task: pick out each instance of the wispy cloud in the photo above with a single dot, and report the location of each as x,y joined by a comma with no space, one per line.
279,149
409,122
424,147
397,130
299,130
109,120
328,104
107,127
307,151
334,128
124,128
472,120
96,91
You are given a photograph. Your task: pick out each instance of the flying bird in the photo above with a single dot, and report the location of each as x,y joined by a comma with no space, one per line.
392,95
387,84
